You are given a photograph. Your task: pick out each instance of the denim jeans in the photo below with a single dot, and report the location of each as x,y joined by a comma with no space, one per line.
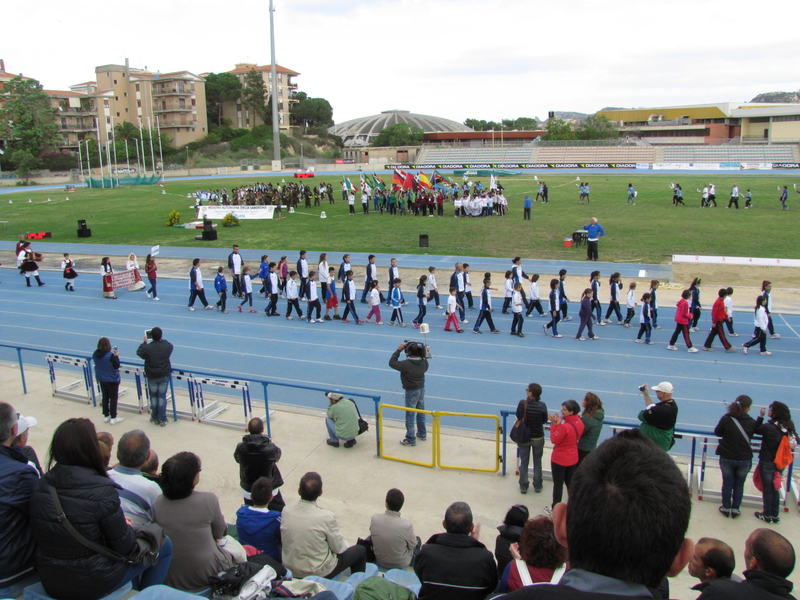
331,425
537,446
734,475
770,496
158,398
143,576
415,399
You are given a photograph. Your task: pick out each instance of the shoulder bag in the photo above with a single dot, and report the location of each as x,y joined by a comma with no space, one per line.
362,424
521,432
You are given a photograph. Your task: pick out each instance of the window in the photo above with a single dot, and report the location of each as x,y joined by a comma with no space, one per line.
182,103
194,102
137,87
108,120
787,118
138,104
759,119
126,110
181,88
115,82
163,105
117,115
116,98
63,122
105,103
125,95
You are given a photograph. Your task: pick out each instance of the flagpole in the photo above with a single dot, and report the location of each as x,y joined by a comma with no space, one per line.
144,154
100,160
114,141
88,164
152,154
160,153
80,158
127,157
276,138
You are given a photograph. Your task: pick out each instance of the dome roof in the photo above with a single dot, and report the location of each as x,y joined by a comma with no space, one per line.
363,130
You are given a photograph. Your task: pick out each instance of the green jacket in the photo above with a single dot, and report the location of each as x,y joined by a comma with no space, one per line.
345,415
664,438
591,431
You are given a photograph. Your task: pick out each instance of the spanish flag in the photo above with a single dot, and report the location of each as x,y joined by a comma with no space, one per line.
424,181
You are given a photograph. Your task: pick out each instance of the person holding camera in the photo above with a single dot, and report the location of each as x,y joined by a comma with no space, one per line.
157,368
106,368
412,377
658,419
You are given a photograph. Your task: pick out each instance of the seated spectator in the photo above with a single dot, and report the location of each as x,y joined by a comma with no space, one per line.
195,523
713,559
106,446
455,565
510,530
538,558
257,456
257,525
24,425
138,495
89,499
769,558
341,421
393,539
149,469
312,542
624,526
17,483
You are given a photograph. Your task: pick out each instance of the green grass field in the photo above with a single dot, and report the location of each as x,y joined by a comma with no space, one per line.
649,232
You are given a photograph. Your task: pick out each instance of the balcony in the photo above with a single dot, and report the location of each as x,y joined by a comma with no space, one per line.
173,109
76,128
173,124
76,112
172,92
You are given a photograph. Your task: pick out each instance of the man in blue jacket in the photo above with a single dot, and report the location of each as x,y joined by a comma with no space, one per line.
17,482
593,234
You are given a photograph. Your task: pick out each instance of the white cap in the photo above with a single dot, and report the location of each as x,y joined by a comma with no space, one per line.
664,386
25,423
334,396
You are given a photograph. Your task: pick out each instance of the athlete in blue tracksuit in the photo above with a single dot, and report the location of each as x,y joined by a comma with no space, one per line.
485,309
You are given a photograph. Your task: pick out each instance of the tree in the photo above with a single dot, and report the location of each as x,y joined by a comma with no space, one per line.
26,162
399,134
596,128
26,119
558,129
254,98
312,112
221,88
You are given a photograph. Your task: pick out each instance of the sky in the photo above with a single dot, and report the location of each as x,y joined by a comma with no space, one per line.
488,59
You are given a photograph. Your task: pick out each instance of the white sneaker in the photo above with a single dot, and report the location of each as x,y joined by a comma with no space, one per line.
401,324
191,308
693,329
733,334
156,298
567,319
601,323
744,349
594,337
148,294
439,307
558,335
311,321
106,419
464,320
289,318
707,349
693,350
672,347
208,307
605,321
766,353
650,343
581,339
640,341
775,336
116,420
379,323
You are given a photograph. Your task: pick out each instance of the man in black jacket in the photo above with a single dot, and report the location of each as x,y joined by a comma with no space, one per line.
535,413
158,368
412,378
455,565
257,456
770,559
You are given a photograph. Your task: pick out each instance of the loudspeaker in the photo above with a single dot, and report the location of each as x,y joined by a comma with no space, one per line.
84,233
209,236
82,224
208,225
423,240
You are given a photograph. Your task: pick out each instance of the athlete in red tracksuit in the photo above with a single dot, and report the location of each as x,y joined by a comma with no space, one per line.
718,317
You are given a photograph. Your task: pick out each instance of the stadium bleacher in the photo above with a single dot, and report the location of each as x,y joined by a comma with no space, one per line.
715,154
474,155
600,154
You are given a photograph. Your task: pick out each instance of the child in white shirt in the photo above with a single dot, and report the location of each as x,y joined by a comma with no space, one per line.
630,304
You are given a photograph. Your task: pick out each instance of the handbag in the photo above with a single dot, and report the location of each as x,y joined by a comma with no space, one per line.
149,539
521,432
757,479
362,424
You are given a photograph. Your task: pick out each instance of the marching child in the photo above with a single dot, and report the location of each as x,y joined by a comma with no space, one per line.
654,283
695,305
332,300
516,310
375,303
646,319
221,286
247,289
397,300
283,271
586,315
263,274
349,296
313,299
748,199
630,304
729,312
509,291
718,318
682,317
422,301
68,267
271,288
468,288
534,298
614,289
292,296
433,291
562,292
761,320
553,308
452,307
594,282
485,308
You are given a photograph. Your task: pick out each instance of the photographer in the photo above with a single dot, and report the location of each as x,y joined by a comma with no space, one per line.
412,377
658,420
341,421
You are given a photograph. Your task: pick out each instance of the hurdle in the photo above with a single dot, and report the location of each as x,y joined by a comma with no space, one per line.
70,391
209,413
188,378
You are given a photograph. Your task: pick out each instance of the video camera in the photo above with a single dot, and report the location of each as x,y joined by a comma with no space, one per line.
418,349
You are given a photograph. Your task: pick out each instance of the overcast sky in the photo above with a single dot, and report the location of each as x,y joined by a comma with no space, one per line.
458,59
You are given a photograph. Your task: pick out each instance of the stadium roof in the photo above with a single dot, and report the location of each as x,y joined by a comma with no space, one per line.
361,131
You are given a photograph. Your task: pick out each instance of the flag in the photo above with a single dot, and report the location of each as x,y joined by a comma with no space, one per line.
439,178
378,182
365,185
398,177
424,181
408,182
348,185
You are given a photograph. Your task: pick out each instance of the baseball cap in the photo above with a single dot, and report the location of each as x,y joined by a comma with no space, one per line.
664,386
334,396
25,423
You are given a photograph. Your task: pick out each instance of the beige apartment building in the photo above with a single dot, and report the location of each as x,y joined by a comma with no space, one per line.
240,116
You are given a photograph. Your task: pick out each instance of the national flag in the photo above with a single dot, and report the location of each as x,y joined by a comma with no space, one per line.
398,177
424,181
365,185
408,182
439,178
348,185
378,182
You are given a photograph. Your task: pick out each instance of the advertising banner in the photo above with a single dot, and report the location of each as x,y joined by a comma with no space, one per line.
240,212
460,166
786,165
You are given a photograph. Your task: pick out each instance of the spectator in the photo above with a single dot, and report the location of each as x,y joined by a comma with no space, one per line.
194,522
138,495
769,558
17,483
149,469
312,542
735,454
454,565
510,530
566,429
412,378
626,480
780,424
106,367
713,559
393,539
658,420
592,417
341,421
257,456
535,412
24,425
157,368
90,502
256,524
538,553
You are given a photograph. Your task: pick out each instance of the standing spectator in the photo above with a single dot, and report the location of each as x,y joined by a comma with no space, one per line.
718,317
594,232
137,495
779,425
312,542
151,270
18,481
454,565
258,456
412,378
682,319
761,320
735,428
257,524
658,420
157,368
393,539
534,411
235,264
592,417
565,431
90,502
106,367
196,286
526,208
341,421
784,197
713,559
538,557
510,530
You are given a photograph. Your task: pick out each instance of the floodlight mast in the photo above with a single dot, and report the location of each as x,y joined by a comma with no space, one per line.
276,138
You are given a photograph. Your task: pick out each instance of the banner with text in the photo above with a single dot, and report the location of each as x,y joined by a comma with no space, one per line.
240,212
454,166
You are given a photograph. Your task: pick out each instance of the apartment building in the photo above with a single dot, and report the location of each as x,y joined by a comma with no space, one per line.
241,117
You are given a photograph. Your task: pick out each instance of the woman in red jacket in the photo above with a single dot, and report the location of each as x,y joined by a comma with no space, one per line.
682,317
565,431
718,318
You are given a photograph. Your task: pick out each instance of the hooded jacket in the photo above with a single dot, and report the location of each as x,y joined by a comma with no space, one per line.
257,455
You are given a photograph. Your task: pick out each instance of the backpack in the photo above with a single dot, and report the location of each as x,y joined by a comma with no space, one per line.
783,457
380,588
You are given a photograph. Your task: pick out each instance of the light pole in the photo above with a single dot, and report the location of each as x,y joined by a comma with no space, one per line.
276,138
